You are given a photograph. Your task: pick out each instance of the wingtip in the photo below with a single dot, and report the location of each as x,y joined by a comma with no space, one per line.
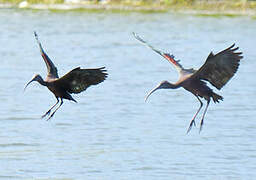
36,36
136,36
37,39
233,48
233,45
103,69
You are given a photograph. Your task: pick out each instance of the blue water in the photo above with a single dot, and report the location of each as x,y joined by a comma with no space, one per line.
111,133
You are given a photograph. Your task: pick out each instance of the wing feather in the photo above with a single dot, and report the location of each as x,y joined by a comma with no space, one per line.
51,68
79,80
220,68
167,56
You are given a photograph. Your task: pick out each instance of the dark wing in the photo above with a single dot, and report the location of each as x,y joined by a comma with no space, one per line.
220,68
52,70
79,80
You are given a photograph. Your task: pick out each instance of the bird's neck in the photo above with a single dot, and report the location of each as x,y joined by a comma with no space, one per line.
173,86
169,85
41,81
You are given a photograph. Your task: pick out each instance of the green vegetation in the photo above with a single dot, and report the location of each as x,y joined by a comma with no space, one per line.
33,1
200,7
217,5
45,1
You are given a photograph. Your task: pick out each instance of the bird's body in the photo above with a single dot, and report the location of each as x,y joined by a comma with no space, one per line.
218,70
199,88
58,91
75,81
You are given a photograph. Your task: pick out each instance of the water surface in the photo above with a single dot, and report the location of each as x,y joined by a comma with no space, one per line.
111,133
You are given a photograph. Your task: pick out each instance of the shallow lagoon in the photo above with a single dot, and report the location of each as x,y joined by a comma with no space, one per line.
111,133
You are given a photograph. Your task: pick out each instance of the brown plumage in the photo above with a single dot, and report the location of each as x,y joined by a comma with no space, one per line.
218,69
75,81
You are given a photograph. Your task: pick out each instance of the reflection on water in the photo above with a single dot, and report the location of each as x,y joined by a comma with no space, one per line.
111,133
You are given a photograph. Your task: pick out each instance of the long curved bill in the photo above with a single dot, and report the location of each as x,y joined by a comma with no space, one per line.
28,84
151,92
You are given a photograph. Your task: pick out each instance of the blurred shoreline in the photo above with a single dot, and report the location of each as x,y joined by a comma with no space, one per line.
207,8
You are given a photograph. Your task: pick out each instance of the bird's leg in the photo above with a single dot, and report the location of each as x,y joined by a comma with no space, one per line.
61,102
193,119
202,120
48,112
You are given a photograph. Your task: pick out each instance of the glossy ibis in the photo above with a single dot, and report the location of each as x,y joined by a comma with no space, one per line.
218,69
75,81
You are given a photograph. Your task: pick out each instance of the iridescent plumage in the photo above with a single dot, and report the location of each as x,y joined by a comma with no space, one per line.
75,81
218,70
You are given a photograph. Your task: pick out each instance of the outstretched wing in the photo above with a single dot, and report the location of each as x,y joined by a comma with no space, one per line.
52,70
167,56
79,80
220,68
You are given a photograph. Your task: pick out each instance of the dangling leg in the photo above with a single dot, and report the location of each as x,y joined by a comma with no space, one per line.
61,102
48,112
202,120
193,119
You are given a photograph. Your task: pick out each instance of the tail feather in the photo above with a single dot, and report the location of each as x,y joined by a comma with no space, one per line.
216,97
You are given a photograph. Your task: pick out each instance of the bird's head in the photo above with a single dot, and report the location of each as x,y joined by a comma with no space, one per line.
36,77
161,85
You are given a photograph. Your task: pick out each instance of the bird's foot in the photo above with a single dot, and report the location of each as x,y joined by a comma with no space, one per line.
201,126
190,125
50,116
47,113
